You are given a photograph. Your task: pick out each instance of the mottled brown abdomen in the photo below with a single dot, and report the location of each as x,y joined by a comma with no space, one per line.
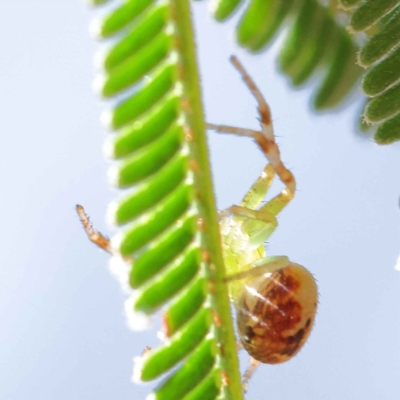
276,312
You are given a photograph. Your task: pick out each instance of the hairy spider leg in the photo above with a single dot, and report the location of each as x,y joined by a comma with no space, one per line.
94,236
266,142
256,223
254,364
258,231
262,266
259,189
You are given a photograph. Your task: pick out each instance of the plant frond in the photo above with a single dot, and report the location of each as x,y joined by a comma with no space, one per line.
381,56
170,241
315,42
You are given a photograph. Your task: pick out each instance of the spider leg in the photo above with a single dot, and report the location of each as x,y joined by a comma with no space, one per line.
254,364
259,215
94,236
266,142
260,267
259,189
249,373
258,224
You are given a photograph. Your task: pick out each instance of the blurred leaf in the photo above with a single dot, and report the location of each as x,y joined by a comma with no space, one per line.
314,42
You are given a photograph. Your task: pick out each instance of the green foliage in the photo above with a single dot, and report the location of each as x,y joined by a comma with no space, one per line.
369,13
314,43
381,56
170,240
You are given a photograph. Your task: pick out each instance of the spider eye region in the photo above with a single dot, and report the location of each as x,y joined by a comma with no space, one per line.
276,312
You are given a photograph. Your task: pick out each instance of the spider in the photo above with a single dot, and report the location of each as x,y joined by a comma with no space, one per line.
275,299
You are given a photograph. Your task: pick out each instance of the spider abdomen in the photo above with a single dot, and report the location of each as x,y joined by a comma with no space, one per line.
276,312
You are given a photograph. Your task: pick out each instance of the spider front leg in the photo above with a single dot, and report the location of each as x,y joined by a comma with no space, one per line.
276,204
259,189
257,224
94,236
266,142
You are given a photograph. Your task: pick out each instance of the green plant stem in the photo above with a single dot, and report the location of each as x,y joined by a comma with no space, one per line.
229,363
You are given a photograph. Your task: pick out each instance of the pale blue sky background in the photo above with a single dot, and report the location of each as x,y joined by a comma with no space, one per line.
63,334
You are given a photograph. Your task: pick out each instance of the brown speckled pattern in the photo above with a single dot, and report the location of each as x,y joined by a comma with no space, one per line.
276,312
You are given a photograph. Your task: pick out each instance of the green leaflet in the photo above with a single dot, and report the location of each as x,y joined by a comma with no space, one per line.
169,242
119,18
142,101
389,131
342,75
381,43
314,39
152,158
383,75
145,31
313,49
163,359
177,276
207,389
223,9
156,188
381,54
163,251
195,369
261,21
145,130
156,221
384,106
369,12
184,306
137,66
97,2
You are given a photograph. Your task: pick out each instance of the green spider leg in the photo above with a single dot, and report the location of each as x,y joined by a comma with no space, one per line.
262,266
261,222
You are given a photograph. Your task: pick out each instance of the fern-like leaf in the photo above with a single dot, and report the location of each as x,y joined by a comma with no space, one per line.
381,57
170,245
315,41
